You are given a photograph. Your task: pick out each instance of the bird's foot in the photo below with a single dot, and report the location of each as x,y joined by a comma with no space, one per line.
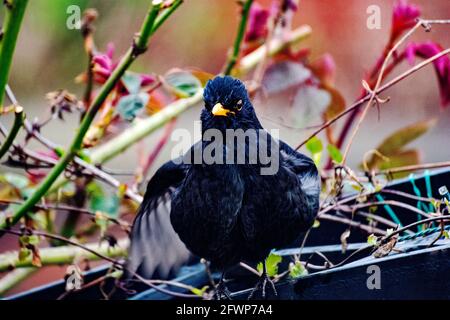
221,292
263,282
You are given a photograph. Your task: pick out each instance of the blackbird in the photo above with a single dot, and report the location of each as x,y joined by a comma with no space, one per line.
224,212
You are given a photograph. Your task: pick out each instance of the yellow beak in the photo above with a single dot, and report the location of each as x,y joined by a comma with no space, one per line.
219,110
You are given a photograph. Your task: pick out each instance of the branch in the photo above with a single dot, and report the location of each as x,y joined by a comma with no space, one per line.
381,89
15,10
139,47
65,254
355,224
240,36
143,128
275,46
373,94
165,14
18,121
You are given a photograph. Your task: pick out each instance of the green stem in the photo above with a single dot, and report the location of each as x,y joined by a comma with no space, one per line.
240,36
142,128
13,20
65,255
139,46
166,14
18,122
14,278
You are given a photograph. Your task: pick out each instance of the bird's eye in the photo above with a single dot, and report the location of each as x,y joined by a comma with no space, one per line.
239,105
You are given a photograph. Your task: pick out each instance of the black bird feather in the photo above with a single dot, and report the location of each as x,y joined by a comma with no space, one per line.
225,213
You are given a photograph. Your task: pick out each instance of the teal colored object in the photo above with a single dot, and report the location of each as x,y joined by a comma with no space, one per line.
389,210
420,204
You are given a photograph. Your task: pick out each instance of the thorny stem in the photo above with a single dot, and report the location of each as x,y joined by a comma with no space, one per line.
15,10
140,45
238,40
18,121
381,89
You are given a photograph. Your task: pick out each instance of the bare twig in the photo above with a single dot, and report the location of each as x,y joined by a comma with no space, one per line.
381,89
373,92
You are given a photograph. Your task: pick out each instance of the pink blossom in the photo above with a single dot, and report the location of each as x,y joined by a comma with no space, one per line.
147,79
257,23
442,65
403,18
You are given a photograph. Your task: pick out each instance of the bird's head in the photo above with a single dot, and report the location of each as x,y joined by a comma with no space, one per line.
227,105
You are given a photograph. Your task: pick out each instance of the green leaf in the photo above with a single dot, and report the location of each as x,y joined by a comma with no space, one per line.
372,239
315,146
132,82
316,224
128,106
297,270
59,151
335,153
446,234
272,262
182,83
29,240
24,253
33,240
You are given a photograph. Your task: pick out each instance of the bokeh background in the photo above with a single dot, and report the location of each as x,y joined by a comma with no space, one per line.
49,56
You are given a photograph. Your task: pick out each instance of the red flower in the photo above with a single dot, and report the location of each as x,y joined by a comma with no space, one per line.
257,23
403,18
442,65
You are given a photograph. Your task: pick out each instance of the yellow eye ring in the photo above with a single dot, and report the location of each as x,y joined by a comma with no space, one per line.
239,105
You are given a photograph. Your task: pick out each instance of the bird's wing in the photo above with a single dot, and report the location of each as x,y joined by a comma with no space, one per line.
307,172
156,250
